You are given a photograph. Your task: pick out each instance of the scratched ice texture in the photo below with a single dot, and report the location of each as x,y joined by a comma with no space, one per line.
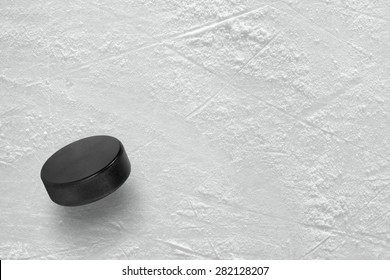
256,129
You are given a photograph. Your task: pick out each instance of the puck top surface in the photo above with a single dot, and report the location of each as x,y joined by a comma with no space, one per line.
81,159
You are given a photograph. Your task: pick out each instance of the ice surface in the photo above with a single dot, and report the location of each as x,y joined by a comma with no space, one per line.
256,129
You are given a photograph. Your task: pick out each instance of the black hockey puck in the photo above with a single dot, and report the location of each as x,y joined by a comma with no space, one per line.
86,170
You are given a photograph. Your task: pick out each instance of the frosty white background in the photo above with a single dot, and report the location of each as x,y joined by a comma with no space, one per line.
256,129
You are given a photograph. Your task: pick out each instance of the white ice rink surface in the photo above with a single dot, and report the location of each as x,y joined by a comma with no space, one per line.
255,129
